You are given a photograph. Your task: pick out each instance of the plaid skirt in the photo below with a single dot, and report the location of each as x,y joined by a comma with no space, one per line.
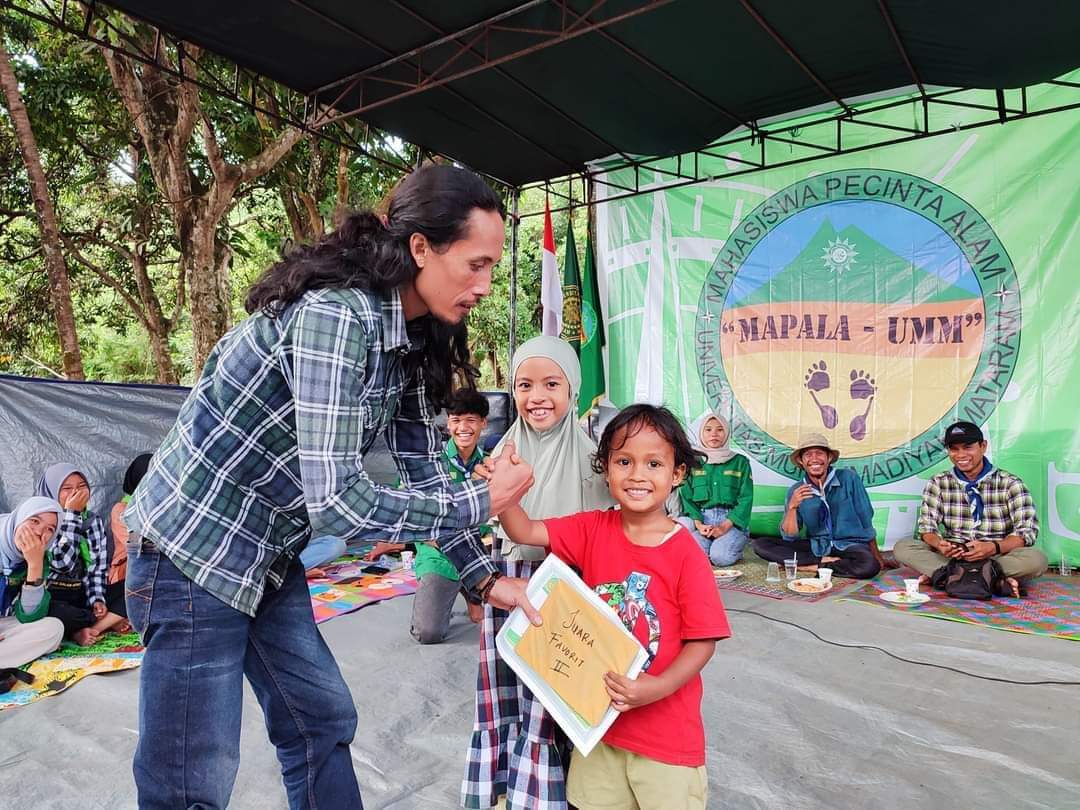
513,749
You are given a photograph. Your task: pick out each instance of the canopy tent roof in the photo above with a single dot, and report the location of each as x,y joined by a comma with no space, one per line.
528,91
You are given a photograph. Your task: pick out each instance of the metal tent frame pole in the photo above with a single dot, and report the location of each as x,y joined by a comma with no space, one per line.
515,195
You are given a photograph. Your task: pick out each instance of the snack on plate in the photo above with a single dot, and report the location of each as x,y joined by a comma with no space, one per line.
808,586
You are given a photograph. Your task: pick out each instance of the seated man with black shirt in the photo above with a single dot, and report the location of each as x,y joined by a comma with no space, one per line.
975,511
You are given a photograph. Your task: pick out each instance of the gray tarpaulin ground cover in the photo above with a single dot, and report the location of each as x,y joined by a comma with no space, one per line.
791,722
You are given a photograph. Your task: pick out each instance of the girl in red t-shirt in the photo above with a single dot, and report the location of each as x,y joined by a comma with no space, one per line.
654,575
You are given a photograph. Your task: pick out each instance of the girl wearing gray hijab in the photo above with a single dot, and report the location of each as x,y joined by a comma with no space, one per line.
513,750
78,580
26,632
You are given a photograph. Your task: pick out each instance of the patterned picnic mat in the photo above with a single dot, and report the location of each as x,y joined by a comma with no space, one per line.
1051,607
346,585
58,671
754,570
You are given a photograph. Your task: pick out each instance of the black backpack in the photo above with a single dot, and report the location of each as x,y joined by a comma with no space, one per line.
964,579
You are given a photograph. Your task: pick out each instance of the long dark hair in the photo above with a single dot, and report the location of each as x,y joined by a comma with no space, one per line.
372,253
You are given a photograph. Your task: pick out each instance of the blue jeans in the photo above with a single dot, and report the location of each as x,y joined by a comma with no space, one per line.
724,550
321,550
198,650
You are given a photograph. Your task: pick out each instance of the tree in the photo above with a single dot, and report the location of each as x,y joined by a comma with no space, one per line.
197,179
128,234
55,263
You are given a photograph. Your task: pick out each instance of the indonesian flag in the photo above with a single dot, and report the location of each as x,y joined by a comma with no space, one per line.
550,283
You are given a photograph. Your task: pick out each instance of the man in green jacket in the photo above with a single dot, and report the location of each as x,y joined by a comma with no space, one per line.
438,582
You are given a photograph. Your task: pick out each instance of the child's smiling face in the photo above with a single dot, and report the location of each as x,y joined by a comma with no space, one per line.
541,393
641,470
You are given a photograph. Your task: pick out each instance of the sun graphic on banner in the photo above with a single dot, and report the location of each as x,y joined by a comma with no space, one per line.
839,255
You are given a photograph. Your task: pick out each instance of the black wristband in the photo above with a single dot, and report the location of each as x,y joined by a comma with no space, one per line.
997,547
486,590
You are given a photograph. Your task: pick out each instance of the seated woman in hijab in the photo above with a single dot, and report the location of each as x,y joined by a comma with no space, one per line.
717,498
118,563
26,631
81,596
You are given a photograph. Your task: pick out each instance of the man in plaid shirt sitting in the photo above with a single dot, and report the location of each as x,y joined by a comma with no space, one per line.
975,511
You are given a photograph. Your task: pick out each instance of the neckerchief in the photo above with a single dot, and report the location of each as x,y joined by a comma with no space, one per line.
465,467
971,489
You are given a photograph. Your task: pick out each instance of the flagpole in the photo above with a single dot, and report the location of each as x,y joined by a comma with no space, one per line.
514,195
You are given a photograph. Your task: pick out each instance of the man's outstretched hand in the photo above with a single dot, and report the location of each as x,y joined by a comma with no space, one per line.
510,479
508,593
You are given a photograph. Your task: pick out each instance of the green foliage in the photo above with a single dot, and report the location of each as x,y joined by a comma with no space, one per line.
109,206
489,323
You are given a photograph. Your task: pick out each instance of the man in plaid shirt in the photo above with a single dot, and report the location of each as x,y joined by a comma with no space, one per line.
353,337
973,512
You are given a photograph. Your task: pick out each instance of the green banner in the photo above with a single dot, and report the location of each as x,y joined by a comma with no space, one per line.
592,337
874,297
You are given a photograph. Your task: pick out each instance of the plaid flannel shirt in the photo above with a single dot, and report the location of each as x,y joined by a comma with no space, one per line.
1007,509
269,447
66,557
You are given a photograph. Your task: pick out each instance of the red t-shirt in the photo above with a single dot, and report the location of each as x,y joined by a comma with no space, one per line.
665,595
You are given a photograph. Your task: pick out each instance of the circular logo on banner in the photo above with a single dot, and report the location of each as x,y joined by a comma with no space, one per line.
871,306
589,322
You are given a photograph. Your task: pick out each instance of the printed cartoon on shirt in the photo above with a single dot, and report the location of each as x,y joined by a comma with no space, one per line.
628,599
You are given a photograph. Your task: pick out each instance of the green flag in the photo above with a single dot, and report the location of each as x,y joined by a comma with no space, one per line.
592,337
571,292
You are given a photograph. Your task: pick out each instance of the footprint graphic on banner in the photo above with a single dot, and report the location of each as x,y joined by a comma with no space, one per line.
862,387
817,379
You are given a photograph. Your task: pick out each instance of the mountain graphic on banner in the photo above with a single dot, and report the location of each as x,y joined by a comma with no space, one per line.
852,266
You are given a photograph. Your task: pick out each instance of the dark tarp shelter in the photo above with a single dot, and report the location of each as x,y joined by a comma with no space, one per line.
101,427
530,91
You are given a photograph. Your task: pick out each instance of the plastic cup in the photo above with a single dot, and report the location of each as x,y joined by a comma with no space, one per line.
911,587
773,572
407,560
791,568
825,575
1063,566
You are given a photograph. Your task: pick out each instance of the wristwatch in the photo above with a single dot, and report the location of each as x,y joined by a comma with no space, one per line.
997,547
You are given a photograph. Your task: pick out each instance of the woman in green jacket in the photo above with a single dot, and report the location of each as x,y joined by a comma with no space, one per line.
718,497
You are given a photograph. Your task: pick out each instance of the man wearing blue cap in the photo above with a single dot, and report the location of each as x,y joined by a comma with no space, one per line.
973,512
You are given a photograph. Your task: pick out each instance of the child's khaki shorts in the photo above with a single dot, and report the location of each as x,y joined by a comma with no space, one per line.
614,779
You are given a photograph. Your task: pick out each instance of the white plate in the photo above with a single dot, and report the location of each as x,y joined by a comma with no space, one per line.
901,598
726,573
791,586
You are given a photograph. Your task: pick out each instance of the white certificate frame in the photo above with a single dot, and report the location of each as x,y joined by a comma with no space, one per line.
581,734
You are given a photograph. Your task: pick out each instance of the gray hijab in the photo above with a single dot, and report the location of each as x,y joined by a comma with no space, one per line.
10,555
53,478
561,457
